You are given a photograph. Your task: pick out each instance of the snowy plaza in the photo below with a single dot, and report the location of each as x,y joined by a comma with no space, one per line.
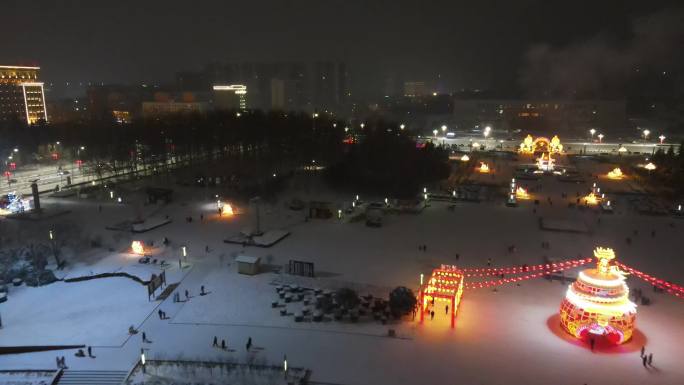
503,334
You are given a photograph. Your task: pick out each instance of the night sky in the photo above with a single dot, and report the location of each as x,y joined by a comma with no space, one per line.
479,44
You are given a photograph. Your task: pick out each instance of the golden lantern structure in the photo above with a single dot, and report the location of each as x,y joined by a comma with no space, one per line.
138,247
484,168
545,162
521,193
597,304
531,145
465,158
650,166
616,173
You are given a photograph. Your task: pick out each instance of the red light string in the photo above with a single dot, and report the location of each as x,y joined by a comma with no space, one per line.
503,281
669,287
484,272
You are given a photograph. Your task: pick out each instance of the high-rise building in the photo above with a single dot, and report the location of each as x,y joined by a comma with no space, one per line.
415,89
230,97
21,95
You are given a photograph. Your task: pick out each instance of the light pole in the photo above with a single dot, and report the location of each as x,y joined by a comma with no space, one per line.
592,132
600,136
646,133
662,138
435,131
402,126
444,128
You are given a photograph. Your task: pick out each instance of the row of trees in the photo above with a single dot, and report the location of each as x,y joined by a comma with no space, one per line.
376,157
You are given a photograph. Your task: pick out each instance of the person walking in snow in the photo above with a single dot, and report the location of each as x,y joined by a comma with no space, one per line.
90,351
187,295
643,348
644,360
650,359
215,344
160,313
223,344
249,343
144,337
202,292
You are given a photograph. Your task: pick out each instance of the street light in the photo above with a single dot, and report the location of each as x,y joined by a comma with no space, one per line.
16,150
435,131
592,132
444,127
646,133
600,136
662,138
363,125
402,126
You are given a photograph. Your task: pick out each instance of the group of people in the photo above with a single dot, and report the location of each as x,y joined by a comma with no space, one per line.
646,359
224,346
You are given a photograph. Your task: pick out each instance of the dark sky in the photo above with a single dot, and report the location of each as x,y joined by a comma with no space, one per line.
470,43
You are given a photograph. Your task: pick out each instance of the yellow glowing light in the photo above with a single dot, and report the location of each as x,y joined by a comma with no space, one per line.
622,149
650,166
465,158
484,168
591,199
616,173
521,193
137,247
227,209
545,162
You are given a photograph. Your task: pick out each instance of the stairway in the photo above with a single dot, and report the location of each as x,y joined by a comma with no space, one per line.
92,377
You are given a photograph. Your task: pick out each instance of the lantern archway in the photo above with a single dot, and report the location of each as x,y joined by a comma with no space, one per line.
445,284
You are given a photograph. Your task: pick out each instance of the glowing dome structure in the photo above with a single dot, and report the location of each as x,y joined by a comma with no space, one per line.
465,158
616,173
138,248
597,304
521,193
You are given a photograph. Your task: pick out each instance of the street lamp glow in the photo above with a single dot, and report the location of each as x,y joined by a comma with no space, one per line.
346,129
592,132
315,115
662,138
600,136
646,133
402,126
435,131
51,235
363,125
488,128
82,147
444,127
16,150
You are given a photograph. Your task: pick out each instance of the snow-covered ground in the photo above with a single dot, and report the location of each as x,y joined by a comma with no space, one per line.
508,336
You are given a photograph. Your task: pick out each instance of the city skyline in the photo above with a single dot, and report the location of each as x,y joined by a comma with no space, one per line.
450,45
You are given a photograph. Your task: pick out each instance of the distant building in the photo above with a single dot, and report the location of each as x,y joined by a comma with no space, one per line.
415,89
321,85
285,94
22,96
160,109
103,100
566,117
230,97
